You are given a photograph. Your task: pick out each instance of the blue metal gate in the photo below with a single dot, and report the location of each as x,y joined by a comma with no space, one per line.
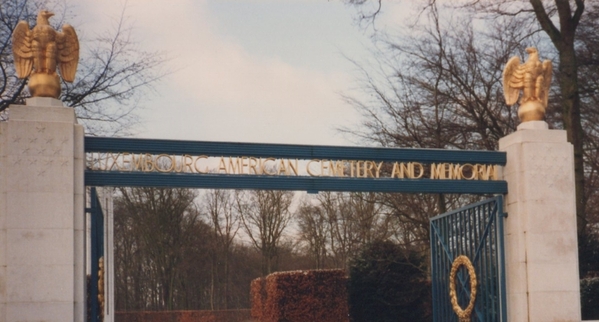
467,256
94,309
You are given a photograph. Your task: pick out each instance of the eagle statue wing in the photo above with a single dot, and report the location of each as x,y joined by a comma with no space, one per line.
68,52
513,80
547,74
21,48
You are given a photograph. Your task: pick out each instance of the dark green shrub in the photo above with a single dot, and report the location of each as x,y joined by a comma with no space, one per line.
589,298
588,254
388,283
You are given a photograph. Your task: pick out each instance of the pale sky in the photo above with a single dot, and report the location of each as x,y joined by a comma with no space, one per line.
266,71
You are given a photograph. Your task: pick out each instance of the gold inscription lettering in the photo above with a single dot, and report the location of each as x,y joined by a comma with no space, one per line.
396,172
161,165
187,162
454,172
486,172
368,167
468,169
282,168
293,166
420,167
352,165
265,168
114,161
243,163
358,165
137,162
148,163
222,165
379,166
252,166
126,161
324,165
309,169
234,166
195,164
437,171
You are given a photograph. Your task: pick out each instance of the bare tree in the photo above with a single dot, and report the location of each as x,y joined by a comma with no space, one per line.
313,227
436,86
163,222
566,25
219,208
567,14
341,235
336,225
265,215
112,77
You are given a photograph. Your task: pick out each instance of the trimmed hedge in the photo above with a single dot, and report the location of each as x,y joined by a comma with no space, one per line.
299,296
184,316
257,298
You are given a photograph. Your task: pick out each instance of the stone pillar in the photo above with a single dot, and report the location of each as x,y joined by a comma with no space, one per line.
42,276
540,231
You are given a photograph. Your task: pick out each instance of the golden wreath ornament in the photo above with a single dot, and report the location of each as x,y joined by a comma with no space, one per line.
463,315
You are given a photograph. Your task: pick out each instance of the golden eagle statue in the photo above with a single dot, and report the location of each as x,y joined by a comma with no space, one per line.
533,78
37,53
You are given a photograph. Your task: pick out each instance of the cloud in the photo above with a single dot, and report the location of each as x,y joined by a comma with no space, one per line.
220,90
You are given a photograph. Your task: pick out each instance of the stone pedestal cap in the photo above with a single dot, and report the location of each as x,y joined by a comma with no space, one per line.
533,125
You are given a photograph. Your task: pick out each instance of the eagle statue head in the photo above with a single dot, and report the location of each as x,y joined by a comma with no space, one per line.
43,16
533,54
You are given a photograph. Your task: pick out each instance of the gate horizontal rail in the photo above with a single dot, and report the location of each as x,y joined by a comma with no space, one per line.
225,149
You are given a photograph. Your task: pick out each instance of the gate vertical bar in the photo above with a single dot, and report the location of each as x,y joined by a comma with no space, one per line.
501,260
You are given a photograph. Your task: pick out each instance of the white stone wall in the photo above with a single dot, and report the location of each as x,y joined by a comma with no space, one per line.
41,214
540,231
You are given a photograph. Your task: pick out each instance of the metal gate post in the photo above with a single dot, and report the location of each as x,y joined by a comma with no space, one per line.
97,252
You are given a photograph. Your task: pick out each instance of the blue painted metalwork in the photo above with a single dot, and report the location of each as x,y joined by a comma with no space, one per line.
311,184
152,146
97,251
300,183
477,232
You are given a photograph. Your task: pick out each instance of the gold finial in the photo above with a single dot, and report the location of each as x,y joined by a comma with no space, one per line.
39,51
534,79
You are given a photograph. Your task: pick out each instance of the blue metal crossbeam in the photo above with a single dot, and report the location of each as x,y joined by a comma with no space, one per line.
304,152
105,144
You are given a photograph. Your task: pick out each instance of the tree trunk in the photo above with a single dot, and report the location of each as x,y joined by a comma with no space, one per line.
563,40
568,80
441,203
226,299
